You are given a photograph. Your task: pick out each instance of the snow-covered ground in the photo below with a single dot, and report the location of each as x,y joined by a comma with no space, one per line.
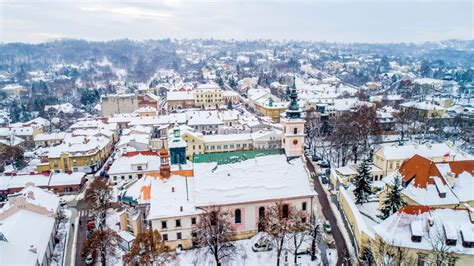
244,256
62,235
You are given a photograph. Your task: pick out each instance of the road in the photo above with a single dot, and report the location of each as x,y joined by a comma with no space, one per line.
326,209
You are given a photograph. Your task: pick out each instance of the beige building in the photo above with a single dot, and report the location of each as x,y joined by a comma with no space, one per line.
208,96
389,157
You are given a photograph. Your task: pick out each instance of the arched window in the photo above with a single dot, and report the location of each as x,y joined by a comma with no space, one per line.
285,211
238,216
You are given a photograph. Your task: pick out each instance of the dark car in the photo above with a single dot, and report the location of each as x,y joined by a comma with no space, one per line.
324,164
324,179
316,158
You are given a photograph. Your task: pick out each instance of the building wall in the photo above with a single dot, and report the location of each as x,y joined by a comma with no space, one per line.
246,229
118,104
208,98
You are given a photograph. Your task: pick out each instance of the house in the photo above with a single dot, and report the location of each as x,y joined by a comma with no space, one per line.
231,96
442,184
422,231
344,175
49,139
28,227
77,154
208,96
60,183
133,165
389,157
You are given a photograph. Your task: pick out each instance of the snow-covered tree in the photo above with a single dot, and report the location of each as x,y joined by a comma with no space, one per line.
299,231
148,249
362,183
393,200
278,225
215,232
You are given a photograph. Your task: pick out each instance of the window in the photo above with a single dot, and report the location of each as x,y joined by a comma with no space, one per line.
244,145
238,216
130,177
178,223
139,168
422,260
164,225
226,146
390,166
123,177
238,146
295,130
165,237
303,220
193,220
285,211
115,177
194,147
303,206
231,146
178,235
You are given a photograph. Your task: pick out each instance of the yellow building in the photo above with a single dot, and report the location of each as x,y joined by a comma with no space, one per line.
195,143
208,96
390,157
267,107
77,154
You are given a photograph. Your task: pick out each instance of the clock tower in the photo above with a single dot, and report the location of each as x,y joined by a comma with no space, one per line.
293,126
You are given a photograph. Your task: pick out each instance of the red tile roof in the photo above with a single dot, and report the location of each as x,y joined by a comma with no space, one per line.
458,167
135,153
414,209
420,169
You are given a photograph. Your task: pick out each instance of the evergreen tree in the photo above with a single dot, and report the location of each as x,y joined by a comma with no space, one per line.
362,183
393,200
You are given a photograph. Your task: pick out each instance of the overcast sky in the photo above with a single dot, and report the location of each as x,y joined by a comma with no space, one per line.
329,20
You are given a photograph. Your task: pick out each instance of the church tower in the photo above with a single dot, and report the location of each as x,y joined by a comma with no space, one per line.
165,169
293,127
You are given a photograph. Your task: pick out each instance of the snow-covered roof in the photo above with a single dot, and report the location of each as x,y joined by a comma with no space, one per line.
397,152
397,229
227,137
50,136
125,164
263,178
62,179
180,96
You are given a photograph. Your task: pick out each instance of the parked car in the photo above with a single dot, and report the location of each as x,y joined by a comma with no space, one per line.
324,179
324,164
316,158
327,227
262,243
261,247
89,259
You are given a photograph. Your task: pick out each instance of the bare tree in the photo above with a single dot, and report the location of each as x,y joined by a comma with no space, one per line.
98,197
299,230
278,225
441,249
148,249
101,245
215,232
378,252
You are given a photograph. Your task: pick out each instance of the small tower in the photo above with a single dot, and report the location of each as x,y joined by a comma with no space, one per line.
165,169
293,127
177,147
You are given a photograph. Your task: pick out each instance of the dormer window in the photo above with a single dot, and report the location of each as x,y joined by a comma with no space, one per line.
467,237
440,187
450,235
416,228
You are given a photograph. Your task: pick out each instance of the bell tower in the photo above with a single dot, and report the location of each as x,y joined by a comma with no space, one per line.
293,126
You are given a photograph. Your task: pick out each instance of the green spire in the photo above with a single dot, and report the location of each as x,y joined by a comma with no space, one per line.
294,109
